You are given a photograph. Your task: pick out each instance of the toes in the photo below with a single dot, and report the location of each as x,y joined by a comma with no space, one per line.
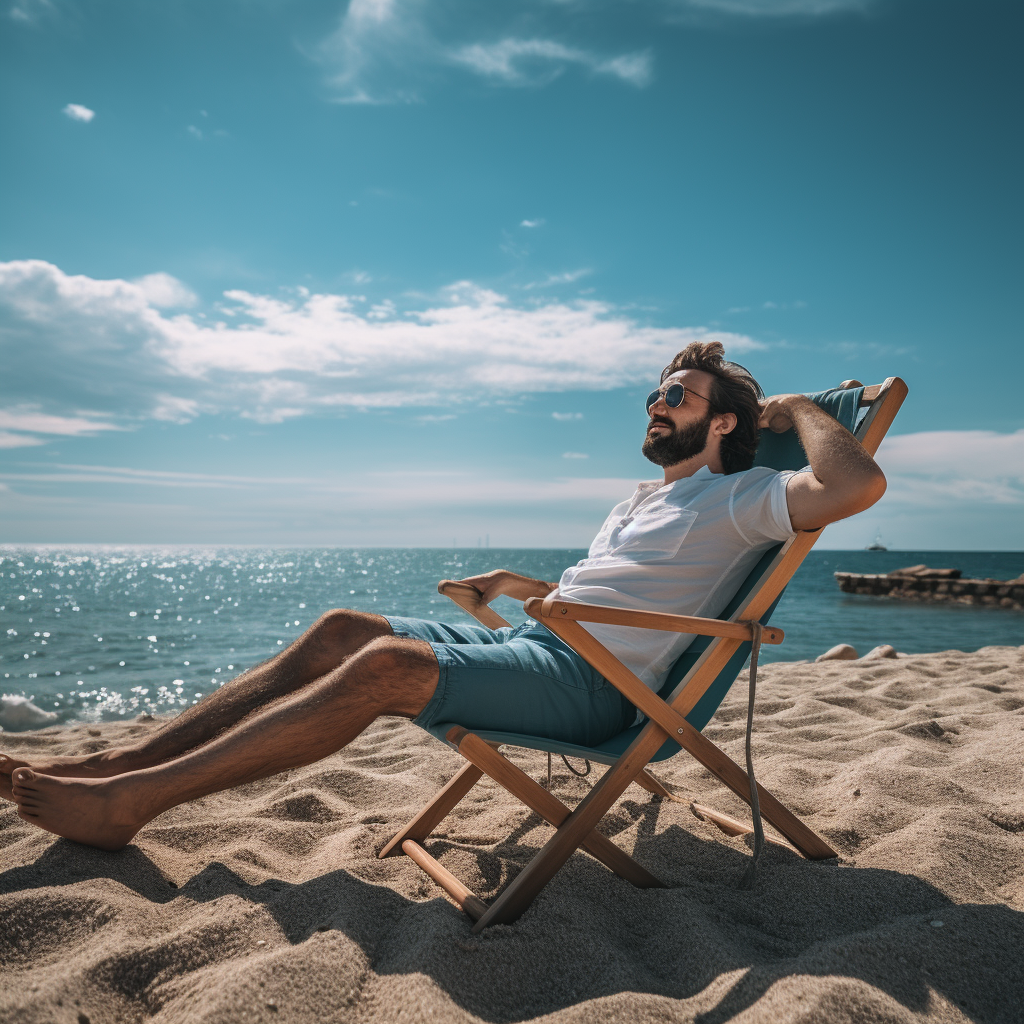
9,764
27,815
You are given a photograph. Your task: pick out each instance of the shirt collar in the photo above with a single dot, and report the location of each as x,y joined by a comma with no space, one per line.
704,473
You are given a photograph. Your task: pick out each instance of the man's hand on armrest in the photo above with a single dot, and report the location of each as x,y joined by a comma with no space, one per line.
502,581
844,479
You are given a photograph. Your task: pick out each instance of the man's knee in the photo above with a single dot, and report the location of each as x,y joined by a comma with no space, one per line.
392,656
348,629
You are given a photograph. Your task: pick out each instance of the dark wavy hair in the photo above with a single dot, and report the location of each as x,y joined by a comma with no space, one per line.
734,390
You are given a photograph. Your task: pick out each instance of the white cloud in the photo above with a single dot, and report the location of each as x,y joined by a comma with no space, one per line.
175,409
538,61
539,222
370,54
552,280
575,455
79,113
567,416
385,51
947,467
29,418
77,342
9,440
163,291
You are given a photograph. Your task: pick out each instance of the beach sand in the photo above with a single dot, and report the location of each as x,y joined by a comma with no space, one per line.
268,903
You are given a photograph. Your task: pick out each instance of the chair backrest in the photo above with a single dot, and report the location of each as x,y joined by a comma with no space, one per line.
761,591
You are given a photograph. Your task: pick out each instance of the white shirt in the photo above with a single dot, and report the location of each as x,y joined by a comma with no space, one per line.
683,548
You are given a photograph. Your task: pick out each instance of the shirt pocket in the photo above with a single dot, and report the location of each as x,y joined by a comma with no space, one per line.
652,533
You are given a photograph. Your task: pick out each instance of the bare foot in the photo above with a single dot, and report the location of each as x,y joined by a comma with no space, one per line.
101,765
98,812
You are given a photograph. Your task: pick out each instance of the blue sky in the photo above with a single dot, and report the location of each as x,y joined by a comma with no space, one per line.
401,271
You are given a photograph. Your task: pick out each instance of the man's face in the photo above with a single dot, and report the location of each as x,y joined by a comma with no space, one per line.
675,435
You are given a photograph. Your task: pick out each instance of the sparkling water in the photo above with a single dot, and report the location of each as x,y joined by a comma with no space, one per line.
105,632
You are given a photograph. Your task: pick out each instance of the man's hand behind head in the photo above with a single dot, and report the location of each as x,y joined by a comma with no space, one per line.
774,416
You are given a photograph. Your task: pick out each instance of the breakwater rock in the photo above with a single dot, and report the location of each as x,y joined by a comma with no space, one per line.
920,583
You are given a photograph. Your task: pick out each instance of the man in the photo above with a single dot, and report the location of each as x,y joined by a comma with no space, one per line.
681,544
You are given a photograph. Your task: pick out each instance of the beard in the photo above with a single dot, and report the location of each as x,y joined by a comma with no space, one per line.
679,445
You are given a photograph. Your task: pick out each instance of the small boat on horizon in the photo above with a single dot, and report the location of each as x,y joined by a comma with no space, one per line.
876,544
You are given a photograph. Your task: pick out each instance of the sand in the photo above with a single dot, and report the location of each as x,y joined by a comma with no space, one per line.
268,903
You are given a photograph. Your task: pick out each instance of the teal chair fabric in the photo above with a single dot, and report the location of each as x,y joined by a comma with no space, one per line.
777,451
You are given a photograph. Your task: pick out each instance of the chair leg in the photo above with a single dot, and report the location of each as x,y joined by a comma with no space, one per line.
465,897
536,797
725,822
723,767
652,785
572,832
436,811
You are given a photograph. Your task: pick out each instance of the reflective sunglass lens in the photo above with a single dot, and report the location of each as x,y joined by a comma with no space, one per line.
674,395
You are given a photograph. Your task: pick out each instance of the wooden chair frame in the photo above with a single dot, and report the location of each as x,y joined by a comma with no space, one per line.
666,719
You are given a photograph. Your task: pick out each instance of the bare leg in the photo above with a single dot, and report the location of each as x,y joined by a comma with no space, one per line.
390,676
334,637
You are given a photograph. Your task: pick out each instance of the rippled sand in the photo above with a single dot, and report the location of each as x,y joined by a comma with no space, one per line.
268,902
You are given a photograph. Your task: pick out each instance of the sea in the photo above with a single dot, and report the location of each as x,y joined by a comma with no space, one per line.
103,632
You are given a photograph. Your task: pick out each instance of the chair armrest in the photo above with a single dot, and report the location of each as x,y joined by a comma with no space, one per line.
469,599
550,607
595,654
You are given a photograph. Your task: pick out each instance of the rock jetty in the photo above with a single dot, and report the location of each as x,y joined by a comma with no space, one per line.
920,583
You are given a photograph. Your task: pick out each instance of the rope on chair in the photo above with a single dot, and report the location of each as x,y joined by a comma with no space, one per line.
750,874
582,774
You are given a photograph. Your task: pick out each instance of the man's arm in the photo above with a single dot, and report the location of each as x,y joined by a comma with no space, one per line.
502,581
844,479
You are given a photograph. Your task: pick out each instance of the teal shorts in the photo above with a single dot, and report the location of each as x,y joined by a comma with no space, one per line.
520,679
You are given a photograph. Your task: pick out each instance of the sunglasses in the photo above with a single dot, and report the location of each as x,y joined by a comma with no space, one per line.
673,396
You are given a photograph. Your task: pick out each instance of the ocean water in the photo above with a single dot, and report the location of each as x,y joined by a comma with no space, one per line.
99,633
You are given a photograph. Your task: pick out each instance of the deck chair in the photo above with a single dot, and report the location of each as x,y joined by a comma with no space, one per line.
675,715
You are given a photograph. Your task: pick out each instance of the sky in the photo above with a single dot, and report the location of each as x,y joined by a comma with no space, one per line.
401,272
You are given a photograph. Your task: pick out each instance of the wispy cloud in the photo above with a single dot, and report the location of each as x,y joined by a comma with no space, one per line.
128,349
552,280
374,54
30,419
365,491
390,51
9,440
538,61
575,455
29,422
565,416
93,503
78,113
30,12
539,222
